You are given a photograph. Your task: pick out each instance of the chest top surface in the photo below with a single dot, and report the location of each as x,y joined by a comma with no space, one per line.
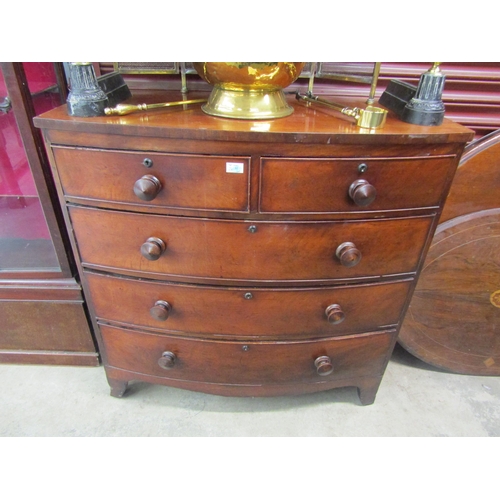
308,124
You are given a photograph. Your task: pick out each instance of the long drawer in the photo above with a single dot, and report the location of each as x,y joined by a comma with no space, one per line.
247,312
291,185
251,251
191,182
245,363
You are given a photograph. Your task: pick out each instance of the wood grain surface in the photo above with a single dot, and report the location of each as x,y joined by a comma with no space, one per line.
453,321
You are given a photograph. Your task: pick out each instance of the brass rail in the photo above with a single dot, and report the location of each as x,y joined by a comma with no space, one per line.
125,109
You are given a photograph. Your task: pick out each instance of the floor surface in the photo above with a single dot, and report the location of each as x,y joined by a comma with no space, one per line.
414,399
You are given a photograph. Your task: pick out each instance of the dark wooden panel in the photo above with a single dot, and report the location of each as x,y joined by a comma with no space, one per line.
322,185
67,290
246,363
232,312
44,325
27,357
247,250
476,185
186,181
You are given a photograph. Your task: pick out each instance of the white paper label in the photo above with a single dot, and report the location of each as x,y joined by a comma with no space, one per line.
235,168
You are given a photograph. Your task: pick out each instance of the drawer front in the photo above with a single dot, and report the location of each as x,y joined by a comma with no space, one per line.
245,250
233,312
188,182
331,185
224,362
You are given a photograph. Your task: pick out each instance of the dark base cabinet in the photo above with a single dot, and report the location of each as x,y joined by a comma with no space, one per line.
43,316
44,322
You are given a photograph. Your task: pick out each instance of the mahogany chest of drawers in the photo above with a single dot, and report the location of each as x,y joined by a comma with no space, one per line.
248,258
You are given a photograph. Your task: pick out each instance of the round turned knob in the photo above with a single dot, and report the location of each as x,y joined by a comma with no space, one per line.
323,365
153,248
147,187
334,314
362,193
348,254
167,360
161,310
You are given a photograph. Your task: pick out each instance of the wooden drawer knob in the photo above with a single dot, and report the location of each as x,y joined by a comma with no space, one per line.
161,310
362,192
334,314
153,248
323,365
348,254
147,187
167,360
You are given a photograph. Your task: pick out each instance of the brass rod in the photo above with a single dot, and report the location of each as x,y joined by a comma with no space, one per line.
311,78
125,109
313,98
373,88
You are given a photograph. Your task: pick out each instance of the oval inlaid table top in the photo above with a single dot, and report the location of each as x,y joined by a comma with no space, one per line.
454,318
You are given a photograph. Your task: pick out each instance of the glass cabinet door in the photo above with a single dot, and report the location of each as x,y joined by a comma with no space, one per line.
26,243
42,306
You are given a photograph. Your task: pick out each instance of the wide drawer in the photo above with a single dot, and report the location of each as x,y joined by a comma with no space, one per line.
246,250
188,182
245,363
247,312
290,185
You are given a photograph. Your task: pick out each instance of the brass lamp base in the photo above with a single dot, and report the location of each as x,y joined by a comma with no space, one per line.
247,104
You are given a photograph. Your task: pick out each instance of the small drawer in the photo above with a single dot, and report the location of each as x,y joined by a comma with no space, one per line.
355,185
245,363
144,179
241,312
175,248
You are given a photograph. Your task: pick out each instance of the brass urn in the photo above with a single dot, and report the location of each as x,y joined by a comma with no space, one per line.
248,90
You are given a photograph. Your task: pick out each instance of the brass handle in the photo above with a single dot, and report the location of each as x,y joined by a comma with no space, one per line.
334,314
147,187
126,109
153,248
362,193
348,254
323,365
167,360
